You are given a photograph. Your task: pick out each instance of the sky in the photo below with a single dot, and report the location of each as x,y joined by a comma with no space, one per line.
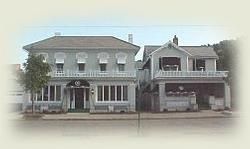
143,34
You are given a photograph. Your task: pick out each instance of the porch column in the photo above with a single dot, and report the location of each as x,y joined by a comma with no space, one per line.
92,98
227,95
131,97
162,95
64,97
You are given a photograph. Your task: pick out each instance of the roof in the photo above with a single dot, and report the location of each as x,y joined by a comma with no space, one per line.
195,51
81,42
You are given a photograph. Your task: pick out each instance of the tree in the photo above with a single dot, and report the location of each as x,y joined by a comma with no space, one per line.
35,75
227,50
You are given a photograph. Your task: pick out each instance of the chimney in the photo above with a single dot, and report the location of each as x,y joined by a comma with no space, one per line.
57,34
175,40
130,38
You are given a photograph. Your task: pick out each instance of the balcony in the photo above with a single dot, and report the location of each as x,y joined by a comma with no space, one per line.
190,74
93,74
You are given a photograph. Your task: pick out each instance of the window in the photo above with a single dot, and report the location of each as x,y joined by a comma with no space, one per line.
52,93
106,93
170,63
125,93
103,67
59,67
81,67
199,65
99,91
112,93
121,67
119,95
45,93
112,88
39,96
58,93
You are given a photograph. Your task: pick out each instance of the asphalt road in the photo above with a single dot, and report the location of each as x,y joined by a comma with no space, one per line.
168,127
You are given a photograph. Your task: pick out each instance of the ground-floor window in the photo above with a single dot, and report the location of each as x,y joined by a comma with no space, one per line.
125,93
52,93
45,93
112,93
49,93
99,92
58,92
119,93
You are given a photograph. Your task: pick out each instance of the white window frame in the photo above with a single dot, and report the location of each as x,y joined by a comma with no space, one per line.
109,101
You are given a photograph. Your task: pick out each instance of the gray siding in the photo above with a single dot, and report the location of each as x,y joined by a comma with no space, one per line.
210,64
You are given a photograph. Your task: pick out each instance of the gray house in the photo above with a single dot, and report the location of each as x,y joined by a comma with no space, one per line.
93,73
180,78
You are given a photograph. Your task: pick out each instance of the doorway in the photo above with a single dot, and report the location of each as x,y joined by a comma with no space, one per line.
79,98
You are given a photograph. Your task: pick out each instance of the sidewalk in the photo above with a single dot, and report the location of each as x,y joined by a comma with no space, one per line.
143,116
134,116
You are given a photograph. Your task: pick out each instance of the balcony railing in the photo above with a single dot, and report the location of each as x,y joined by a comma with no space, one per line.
93,74
205,74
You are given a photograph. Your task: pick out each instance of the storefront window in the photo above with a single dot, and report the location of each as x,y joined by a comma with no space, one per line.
112,88
119,97
125,93
106,93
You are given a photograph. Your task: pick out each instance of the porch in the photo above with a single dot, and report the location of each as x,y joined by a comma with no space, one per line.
189,74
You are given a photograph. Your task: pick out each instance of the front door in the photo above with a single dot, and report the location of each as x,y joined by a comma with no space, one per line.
79,98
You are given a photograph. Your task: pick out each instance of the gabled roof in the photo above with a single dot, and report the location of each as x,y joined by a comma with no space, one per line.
173,45
82,42
195,51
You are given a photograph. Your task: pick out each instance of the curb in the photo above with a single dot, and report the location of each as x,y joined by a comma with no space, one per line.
150,118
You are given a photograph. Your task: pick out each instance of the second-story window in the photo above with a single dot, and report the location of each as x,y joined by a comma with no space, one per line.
199,65
103,67
121,67
81,60
59,67
59,56
81,67
121,61
103,60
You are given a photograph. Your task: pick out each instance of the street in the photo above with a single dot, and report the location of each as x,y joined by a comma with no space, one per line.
165,127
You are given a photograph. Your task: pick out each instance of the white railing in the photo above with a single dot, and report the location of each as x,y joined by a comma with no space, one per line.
93,74
205,74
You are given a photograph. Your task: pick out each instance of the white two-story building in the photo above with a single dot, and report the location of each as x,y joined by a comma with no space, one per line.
89,73
183,78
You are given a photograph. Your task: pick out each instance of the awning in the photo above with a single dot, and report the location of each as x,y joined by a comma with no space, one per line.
121,61
103,61
59,61
81,60
78,84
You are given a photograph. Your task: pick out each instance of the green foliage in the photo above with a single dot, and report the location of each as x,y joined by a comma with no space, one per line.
35,74
227,52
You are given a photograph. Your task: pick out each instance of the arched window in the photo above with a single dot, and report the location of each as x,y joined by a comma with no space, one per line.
121,58
103,57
